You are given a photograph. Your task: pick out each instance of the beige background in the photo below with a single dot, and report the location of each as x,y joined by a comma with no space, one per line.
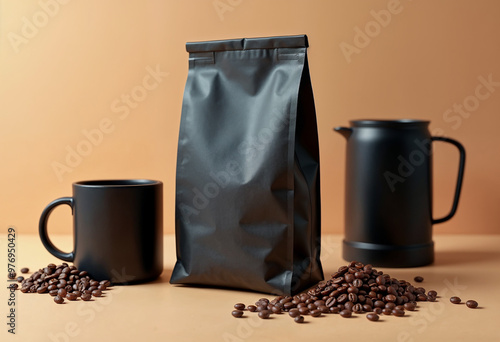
66,65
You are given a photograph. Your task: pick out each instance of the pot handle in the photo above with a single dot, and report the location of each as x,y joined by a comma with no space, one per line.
460,177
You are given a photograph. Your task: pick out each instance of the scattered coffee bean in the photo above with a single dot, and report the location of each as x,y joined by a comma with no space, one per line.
53,293
471,304
387,312
455,300
252,308
13,286
418,279
345,313
25,270
97,293
86,296
409,306
372,316
58,299
390,306
20,279
276,310
304,310
299,319
378,311
71,296
315,313
398,313
294,313
239,306
12,275
335,309
264,314
237,313
432,293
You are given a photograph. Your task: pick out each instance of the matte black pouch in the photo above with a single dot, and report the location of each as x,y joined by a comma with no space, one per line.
248,183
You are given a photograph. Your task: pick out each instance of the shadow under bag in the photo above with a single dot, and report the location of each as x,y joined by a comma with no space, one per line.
247,210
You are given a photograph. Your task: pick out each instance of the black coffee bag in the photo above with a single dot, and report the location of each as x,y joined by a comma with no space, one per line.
248,186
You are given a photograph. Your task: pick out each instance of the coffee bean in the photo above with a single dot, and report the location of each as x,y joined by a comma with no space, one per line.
299,319
372,317
239,306
252,308
42,289
421,297
294,313
237,313
455,300
25,270
97,293
398,313
304,310
53,293
58,299
324,309
20,279
261,307
380,280
387,312
432,293
77,293
276,310
357,308
71,296
418,279
86,297
264,314
471,304
315,313
378,311
409,306
390,306
345,313
12,275
431,298
13,286
367,308
105,282
334,309
390,298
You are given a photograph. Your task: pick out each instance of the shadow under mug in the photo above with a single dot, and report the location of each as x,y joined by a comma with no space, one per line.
117,227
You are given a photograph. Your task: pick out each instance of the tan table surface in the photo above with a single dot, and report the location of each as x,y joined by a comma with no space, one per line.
467,266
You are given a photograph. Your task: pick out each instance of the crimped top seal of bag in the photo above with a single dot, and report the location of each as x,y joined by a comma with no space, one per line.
299,41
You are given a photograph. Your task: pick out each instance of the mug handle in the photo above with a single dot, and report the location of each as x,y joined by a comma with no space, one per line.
460,177
42,229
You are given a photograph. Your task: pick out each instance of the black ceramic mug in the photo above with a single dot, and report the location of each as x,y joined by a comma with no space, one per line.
118,229
388,192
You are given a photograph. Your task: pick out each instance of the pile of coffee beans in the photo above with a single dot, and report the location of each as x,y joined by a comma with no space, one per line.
61,282
355,288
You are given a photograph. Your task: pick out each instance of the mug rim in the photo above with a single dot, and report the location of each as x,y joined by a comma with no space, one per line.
116,183
388,122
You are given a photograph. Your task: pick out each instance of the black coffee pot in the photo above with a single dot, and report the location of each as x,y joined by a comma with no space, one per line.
388,192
